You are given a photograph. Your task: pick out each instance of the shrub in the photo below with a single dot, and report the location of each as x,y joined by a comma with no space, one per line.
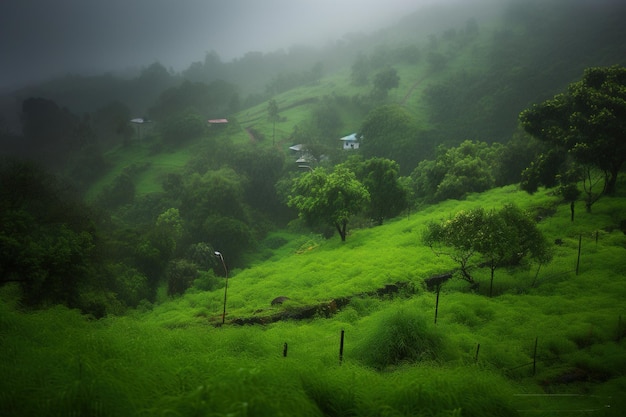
401,336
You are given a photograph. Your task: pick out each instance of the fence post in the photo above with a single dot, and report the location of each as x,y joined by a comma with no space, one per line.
341,347
580,240
285,350
535,357
437,302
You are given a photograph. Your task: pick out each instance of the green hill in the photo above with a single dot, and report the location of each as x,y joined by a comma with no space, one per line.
294,322
468,77
549,340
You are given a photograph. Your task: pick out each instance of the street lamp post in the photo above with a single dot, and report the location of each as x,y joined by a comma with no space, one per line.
219,255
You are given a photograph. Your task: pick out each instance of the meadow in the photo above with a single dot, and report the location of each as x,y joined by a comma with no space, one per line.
550,341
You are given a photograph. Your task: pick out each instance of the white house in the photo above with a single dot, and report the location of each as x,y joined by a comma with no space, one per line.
304,157
350,141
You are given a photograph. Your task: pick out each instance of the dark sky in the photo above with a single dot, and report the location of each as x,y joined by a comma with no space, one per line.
41,38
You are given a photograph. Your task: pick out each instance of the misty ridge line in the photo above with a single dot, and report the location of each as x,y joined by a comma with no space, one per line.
121,39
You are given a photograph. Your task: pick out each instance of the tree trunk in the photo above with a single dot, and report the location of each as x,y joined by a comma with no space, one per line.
493,268
341,228
609,188
465,272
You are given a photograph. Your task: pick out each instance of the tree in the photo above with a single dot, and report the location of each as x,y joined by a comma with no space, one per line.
359,70
457,171
180,275
215,194
47,236
500,238
381,178
455,238
170,226
182,126
588,121
384,81
262,168
390,131
508,237
329,198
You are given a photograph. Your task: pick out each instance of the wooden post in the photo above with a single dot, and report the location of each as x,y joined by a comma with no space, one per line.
437,302
535,357
285,350
580,240
341,347
477,350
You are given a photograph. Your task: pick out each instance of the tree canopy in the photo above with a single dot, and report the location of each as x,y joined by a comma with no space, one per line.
390,131
588,121
47,236
330,198
504,237
387,195
455,172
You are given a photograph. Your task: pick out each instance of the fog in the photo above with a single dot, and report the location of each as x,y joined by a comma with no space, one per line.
41,38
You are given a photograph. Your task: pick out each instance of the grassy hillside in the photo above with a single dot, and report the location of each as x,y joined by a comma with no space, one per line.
478,359
550,340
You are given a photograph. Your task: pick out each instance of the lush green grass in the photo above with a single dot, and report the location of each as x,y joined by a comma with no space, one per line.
477,360
149,168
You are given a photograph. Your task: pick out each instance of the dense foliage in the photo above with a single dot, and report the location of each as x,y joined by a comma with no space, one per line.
47,236
329,198
588,122
505,237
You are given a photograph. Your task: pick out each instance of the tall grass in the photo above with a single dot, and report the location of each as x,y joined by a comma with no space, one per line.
173,359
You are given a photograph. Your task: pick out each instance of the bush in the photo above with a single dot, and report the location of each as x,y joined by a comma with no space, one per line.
180,275
401,336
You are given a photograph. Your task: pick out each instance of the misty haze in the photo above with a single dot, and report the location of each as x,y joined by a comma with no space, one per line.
312,208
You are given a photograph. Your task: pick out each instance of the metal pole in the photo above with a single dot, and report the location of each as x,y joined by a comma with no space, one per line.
219,255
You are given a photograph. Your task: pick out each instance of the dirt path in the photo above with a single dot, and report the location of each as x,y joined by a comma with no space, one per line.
413,87
250,135
329,308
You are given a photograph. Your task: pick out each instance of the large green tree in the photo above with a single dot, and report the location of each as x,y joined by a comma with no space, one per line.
588,121
385,80
390,131
387,195
455,172
495,238
329,198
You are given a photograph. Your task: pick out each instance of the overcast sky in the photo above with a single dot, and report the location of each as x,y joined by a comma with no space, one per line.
40,38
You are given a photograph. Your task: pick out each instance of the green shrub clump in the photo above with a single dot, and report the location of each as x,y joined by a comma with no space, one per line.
401,336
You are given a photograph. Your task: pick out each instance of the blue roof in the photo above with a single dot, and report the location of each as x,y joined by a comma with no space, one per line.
351,137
